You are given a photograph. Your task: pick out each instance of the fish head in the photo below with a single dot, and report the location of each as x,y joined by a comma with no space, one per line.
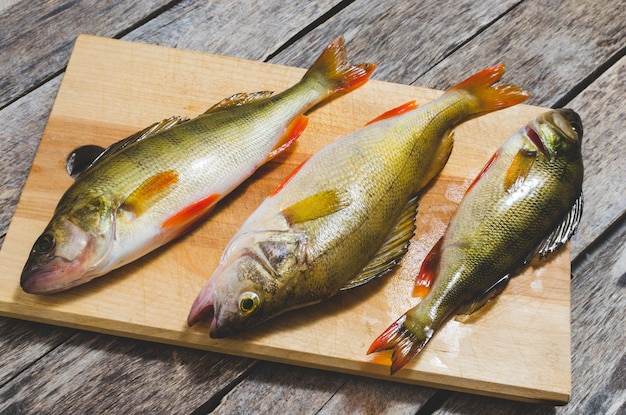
557,133
254,282
71,250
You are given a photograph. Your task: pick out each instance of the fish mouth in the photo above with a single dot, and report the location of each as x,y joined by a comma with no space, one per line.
534,136
204,308
54,277
569,124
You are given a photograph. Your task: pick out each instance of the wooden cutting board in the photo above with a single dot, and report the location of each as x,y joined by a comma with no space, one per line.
518,348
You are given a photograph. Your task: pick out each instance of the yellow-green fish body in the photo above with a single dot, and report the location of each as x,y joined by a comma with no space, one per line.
526,201
343,217
150,188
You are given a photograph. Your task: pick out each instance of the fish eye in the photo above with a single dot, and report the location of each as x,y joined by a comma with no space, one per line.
578,128
248,302
44,244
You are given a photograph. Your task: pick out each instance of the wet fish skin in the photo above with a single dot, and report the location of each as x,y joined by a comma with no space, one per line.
152,187
345,215
526,202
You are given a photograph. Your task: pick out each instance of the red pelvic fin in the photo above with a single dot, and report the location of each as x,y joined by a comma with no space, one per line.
286,179
483,171
191,213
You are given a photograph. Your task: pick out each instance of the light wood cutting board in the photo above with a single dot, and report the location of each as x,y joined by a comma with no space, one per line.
519,348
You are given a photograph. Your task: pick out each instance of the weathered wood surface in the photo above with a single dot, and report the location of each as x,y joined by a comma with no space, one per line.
128,77
571,53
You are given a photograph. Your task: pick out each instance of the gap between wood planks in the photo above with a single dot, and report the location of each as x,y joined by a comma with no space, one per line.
310,27
589,79
216,399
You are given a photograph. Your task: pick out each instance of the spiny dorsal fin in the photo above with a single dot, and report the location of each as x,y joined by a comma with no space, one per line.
85,158
563,232
239,99
392,251
316,206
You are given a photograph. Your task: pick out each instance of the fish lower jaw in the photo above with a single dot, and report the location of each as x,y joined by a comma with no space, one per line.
49,282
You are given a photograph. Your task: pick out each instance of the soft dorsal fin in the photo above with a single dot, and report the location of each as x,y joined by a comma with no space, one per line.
239,99
85,158
428,271
150,192
316,206
519,169
562,233
392,250
488,295
406,107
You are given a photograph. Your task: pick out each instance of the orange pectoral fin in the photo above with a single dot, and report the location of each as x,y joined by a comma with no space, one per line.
150,192
191,213
409,106
519,169
292,133
428,271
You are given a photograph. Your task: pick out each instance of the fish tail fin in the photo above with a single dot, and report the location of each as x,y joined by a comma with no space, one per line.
407,339
484,96
333,71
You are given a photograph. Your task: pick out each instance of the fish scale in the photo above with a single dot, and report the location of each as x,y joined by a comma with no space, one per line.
526,201
346,215
150,188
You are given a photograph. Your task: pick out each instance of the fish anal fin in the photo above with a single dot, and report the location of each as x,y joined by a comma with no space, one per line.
562,233
518,170
293,131
150,192
486,297
392,250
316,206
239,99
191,213
428,271
406,107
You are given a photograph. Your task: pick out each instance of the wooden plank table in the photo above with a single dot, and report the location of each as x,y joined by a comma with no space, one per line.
567,53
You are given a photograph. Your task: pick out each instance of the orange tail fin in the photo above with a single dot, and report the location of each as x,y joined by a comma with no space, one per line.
486,96
332,69
405,342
